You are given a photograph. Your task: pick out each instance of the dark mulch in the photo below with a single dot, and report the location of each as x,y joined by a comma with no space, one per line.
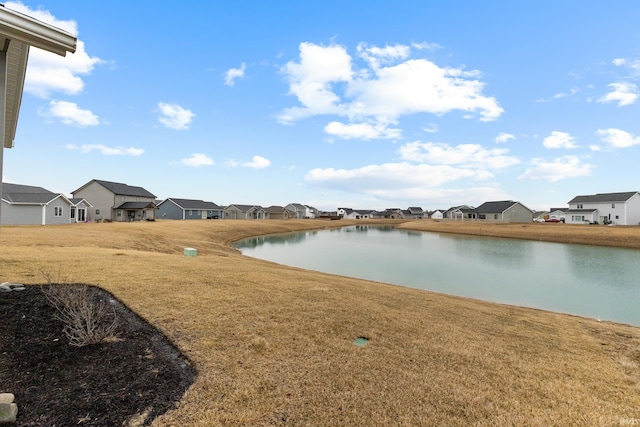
106,384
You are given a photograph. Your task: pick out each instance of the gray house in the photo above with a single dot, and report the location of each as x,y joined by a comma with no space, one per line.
173,208
28,205
113,201
504,211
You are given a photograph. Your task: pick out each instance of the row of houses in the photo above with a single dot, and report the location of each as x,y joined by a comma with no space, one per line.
107,201
100,200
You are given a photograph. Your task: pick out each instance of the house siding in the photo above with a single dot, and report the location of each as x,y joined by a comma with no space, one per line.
102,200
169,210
50,217
619,213
518,213
21,214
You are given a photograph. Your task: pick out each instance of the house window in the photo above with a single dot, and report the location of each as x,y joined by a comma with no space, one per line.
73,213
57,211
580,206
97,211
495,216
613,205
617,217
577,218
119,212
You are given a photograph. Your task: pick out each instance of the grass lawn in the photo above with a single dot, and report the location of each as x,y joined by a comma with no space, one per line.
273,345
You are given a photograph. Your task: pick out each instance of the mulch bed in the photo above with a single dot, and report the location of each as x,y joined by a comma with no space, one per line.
107,384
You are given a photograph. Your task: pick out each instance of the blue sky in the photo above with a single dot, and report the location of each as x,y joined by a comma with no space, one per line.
336,104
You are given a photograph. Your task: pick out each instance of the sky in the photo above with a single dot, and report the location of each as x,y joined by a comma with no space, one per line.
363,105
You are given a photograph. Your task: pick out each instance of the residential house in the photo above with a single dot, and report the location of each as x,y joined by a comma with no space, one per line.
460,213
437,214
348,213
415,212
173,208
389,213
302,211
79,209
504,211
605,208
277,212
558,213
28,205
113,201
236,211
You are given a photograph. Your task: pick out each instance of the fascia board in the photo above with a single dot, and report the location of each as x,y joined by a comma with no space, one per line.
17,26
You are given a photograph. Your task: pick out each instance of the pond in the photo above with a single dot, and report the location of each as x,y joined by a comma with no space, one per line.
585,280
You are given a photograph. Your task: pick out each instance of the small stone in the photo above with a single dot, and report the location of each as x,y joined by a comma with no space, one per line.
7,397
8,413
5,287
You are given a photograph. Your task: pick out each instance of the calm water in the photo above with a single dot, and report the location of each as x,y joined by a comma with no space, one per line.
585,280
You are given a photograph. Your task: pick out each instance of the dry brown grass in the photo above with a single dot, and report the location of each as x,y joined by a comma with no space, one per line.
273,344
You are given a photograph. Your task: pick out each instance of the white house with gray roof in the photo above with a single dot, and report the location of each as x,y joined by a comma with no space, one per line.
29,205
113,201
605,208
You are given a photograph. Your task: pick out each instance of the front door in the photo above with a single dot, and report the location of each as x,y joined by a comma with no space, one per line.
81,215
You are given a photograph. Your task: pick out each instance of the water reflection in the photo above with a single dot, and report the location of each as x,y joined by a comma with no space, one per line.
502,253
614,268
585,280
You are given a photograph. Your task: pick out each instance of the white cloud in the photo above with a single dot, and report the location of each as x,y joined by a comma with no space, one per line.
472,156
618,138
174,116
70,114
504,137
557,169
107,151
623,93
362,131
404,182
376,56
48,72
234,73
257,162
388,177
431,128
197,160
391,84
559,140
310,80
633,65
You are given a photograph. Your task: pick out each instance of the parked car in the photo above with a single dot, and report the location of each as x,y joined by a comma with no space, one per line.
538,219
553,220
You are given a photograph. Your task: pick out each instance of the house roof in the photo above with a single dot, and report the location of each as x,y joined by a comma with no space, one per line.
192,204
75,201
558,209
297,206
120,189
274,209
27,194
17,33
137,205
243,208
580,211
495,207
604,197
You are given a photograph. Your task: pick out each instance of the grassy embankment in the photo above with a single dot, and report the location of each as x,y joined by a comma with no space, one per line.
273,344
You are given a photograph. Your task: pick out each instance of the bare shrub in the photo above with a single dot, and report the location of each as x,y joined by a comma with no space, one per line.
87,318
